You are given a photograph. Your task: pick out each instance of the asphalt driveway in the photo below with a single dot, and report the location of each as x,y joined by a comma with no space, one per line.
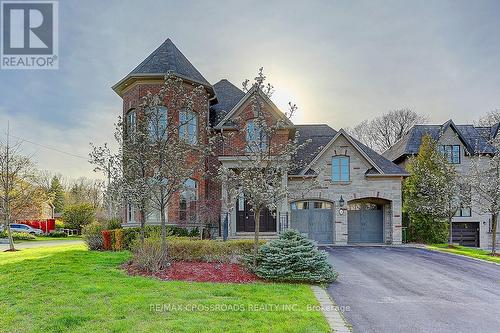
384,289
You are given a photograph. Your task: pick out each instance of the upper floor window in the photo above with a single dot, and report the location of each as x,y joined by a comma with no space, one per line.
157,123
256,137
188,126
131,121
130,213
451,152
340,168
187,201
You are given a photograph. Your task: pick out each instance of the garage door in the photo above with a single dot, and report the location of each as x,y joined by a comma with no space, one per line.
466,233
365,223
314,219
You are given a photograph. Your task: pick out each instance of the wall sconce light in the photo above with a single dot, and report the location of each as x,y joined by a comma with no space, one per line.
341,202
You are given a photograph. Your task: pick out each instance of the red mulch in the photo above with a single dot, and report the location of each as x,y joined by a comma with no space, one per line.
200,272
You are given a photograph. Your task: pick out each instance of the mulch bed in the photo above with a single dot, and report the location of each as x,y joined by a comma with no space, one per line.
199,272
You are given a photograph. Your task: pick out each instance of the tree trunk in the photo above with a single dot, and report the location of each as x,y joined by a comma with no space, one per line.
163,232
9,235
494,220
450,231
143,226
256,239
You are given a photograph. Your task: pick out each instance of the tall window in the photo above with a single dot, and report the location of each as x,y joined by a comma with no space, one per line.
340,169
130,213
451,152
157,123
131,121
256,137
188,122
187,201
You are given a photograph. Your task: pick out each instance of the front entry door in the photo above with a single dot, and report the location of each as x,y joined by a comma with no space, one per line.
245,219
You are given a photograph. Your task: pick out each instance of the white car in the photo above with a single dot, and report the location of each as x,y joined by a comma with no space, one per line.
16,227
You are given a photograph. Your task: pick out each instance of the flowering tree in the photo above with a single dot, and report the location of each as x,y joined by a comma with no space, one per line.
268,157
431,191
17,190
175,120
483,179
163,144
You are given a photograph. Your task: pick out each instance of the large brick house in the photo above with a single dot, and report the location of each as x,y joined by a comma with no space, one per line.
458,143
359,200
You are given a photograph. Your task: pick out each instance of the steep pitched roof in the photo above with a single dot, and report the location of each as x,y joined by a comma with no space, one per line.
166,58
322,136
319,135
474,139
228,95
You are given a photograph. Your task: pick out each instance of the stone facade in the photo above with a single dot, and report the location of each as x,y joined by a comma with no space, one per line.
361,187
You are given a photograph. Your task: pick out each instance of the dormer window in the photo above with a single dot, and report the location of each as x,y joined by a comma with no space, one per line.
188,126
340,168
256,137
451,152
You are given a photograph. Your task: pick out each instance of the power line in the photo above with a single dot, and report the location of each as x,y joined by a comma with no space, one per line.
50,148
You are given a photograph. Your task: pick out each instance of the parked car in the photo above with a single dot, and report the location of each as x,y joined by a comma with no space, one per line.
15,227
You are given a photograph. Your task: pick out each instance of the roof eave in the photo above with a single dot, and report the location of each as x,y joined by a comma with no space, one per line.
120,87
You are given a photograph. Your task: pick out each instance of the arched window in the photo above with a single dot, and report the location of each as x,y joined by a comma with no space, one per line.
187,201
256,137
188,126
340,168
131,121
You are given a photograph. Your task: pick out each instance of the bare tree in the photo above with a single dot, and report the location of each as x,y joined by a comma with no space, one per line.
17,176
483,177
384,131
268,157
489,119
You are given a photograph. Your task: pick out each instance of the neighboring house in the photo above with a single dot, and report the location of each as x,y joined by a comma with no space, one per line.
359,200
458,143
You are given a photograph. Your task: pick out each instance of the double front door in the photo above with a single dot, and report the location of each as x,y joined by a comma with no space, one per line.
245,219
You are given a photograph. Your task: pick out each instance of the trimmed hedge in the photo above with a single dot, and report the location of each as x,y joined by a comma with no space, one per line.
17,236
130,234
185,249
55,234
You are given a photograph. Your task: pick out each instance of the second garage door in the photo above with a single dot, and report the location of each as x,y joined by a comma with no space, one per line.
365,223
313,219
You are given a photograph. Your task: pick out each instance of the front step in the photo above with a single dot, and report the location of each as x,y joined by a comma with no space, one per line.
251,235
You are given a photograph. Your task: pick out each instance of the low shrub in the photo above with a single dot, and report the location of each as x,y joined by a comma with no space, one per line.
293,258
107,241
118,239
188,249
149,256
55,234
92,236
59,224
17,236
130,234
113,223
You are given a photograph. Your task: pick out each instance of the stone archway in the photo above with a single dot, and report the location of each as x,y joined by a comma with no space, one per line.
365,220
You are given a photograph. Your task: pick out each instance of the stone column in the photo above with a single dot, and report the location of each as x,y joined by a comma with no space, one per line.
340,225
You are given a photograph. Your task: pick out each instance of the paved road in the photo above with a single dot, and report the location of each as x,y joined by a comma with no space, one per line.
415,290
26,245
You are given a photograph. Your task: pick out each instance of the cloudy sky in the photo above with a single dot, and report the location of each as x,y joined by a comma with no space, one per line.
340,61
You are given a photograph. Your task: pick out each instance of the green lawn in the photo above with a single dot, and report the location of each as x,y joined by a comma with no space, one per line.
47,238
466,251
70,289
